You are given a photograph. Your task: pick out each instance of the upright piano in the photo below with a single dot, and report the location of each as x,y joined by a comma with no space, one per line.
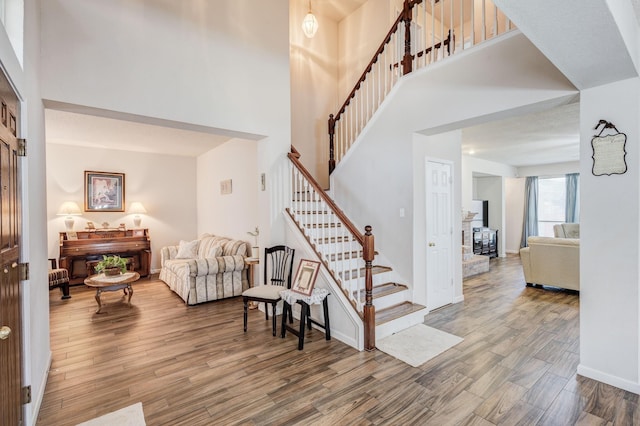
81,250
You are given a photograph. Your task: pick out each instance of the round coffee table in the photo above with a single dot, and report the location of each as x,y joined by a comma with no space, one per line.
102,282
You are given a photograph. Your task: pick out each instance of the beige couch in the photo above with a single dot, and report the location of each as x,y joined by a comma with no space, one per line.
552,261
206,269
566,230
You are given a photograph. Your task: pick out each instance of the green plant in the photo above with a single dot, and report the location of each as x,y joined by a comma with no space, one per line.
109,262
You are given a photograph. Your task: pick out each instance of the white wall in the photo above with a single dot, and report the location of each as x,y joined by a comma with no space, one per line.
609,243
438,99
448,147
514,214
360,34
219,64
230,215
164,184
222,63
314,82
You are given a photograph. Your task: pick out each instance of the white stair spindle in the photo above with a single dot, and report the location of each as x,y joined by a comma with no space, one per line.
473,24
461,24
484,22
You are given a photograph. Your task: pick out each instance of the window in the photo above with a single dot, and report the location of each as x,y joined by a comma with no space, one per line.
551,204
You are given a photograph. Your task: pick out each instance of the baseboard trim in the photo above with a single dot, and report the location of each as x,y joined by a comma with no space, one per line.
608,379
512,251
458,299
37,401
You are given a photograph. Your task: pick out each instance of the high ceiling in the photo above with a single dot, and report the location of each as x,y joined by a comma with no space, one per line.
337,10
542,138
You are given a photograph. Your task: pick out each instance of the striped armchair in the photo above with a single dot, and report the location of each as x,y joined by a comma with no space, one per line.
206,269
59,278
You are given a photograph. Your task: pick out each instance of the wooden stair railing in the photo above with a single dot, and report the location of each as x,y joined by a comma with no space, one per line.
335,238
417,38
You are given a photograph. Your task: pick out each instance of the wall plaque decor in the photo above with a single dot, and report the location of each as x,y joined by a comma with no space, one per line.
103,192
225,187
608,151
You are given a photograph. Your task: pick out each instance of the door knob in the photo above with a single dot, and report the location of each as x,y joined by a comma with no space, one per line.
432,244
4,332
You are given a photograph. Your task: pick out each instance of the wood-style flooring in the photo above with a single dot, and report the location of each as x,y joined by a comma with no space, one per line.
195,366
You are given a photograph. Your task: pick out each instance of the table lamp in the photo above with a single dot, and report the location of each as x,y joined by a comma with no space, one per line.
137,208
69,209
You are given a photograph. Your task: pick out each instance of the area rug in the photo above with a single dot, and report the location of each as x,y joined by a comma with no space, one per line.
418,344
127,416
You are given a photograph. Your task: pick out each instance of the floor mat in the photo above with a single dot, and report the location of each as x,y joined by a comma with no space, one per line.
418,344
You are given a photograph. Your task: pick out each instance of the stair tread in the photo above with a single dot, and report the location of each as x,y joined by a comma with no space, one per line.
396,311
384,290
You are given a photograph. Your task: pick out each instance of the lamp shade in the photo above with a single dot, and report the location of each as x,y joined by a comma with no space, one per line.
309,24
69,208
137,208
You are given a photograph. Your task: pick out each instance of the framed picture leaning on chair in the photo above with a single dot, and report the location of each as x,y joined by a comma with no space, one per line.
306,277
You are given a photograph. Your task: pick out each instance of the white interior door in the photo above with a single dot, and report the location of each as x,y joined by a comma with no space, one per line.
439,234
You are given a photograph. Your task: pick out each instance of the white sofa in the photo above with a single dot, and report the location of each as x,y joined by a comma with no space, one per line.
552,261
206,269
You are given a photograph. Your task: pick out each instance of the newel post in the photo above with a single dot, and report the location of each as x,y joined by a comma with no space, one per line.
368,253
407,60
332,131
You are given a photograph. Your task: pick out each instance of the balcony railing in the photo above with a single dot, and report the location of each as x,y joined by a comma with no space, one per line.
426,31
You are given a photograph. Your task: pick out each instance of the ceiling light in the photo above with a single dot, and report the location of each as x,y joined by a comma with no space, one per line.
309,24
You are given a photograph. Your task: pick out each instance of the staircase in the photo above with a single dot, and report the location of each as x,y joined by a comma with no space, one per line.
429,31
338,245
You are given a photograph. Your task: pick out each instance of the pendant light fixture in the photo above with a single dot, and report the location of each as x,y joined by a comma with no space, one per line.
310,24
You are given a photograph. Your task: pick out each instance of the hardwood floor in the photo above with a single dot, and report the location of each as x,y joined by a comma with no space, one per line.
195,366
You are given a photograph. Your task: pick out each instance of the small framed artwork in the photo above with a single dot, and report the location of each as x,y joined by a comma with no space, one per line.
306,277
103,192
225,187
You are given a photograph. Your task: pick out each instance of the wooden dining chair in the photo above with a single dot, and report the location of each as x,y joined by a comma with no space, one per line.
278,265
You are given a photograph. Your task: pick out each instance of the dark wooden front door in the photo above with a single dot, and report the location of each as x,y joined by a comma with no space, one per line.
10,297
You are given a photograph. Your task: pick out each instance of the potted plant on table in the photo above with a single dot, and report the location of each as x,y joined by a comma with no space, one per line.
112,265
255,251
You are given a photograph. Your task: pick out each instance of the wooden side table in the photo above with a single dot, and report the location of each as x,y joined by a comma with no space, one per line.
251,262
319,295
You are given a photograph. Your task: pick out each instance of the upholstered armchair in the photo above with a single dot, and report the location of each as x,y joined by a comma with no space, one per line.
59,278
566,230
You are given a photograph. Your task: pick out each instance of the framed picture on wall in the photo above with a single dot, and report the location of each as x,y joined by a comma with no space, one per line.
103,192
